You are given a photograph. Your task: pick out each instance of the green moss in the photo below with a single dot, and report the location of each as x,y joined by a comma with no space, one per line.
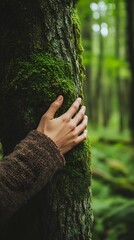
76,177
78,44
36,83
45,74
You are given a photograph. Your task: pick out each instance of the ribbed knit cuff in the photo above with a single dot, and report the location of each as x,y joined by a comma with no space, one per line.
43,141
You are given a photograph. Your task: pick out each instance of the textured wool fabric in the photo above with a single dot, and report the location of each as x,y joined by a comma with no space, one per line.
25,172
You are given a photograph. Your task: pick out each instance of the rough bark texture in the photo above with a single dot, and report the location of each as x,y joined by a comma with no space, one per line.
40,58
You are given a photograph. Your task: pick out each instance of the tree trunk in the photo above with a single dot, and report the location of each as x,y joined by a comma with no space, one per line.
118,80
40,58
130,34
98,80
107,105
85,17
88,93
86,35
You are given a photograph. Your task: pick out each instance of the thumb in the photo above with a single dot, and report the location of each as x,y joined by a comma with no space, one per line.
54,107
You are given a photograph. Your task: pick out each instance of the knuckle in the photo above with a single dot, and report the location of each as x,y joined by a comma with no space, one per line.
75,106
66,118
54,105
82,114
74,142
84,125
45,116
72,126
74,134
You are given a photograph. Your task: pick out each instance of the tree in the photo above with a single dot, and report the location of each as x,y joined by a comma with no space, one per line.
40,58
86,32
130,33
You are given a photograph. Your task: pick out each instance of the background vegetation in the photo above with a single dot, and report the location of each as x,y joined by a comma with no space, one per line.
106,29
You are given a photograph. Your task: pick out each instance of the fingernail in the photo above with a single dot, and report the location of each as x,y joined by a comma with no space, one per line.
83,107
79,99
60,98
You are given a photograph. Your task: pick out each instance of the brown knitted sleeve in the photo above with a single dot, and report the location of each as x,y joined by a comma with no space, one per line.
25,171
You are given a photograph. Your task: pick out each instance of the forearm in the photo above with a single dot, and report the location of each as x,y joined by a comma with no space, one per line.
25,171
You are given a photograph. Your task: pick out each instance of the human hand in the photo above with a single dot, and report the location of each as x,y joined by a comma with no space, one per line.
67,130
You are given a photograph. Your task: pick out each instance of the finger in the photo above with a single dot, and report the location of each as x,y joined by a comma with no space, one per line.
54,107
80,115
73,109
81,137
82,126
75,141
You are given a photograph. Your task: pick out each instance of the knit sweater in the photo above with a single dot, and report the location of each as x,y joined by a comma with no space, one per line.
25,172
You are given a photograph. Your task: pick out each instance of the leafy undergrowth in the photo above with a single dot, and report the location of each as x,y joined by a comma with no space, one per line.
113,186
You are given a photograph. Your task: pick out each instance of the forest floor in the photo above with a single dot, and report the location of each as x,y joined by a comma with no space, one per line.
112,185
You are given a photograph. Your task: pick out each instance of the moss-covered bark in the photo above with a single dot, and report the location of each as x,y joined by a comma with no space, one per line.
40,58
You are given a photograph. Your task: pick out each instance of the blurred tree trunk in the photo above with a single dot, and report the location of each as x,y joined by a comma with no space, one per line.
106,103
86,34
40,58
98,84
130,34
85,17
118,79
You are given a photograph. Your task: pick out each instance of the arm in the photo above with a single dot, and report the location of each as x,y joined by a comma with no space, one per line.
25,171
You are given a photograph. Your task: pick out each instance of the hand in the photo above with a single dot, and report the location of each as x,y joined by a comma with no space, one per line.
67,130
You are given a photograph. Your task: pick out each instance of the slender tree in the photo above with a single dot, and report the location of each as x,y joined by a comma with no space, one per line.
117,55
98,78
85,17
40,58
130,33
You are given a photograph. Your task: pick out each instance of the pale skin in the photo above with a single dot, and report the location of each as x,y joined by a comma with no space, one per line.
67,130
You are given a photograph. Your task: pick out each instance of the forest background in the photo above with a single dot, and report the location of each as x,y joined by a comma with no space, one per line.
107,29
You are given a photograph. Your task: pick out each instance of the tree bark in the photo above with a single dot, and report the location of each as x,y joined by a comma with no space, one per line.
40,58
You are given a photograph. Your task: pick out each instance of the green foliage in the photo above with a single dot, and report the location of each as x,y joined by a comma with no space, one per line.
113,186
114,219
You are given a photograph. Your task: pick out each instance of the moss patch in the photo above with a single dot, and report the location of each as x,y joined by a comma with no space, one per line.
75,179
46,75
35,84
